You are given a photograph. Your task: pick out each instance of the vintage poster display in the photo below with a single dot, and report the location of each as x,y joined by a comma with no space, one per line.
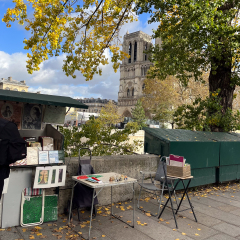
11,111
43,177
54,114
32,116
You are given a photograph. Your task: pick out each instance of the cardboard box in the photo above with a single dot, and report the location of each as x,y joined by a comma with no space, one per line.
174,171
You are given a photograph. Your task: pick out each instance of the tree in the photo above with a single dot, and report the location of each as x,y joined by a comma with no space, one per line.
101,135
138,114
81,31
162,98
198,36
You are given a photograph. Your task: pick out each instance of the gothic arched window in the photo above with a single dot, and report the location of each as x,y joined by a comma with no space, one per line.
133,92
130,52
135,52
145,49
142,71
143,86
128,93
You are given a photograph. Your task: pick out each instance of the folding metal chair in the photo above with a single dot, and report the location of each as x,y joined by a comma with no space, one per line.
162,181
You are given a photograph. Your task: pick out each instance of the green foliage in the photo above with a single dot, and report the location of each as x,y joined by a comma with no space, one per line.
197,37
138,115
203,114
101,138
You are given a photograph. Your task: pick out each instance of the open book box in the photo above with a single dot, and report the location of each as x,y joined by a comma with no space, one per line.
175,171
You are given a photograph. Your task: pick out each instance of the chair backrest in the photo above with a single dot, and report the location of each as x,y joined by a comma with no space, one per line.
161,170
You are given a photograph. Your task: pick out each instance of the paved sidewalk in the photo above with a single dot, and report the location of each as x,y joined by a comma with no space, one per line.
217,211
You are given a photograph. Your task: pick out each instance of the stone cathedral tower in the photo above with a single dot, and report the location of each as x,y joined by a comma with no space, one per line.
133,71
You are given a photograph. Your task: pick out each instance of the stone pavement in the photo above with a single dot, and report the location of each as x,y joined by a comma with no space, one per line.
217,210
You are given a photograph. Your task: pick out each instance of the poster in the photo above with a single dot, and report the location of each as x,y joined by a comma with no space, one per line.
11,111
32,116
54,114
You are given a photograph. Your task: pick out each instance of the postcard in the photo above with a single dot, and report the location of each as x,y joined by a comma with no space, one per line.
53,157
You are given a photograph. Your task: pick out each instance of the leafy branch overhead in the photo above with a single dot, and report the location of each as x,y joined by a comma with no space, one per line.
81,30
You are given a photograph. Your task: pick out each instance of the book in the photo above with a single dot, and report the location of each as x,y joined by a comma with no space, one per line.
47,143
32,155
43,157
53,157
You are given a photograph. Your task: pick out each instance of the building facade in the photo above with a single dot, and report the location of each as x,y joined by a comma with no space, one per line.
14,85
133,70
94,104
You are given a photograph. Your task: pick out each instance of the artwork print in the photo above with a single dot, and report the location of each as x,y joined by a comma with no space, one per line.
60,175
32,116
43,177
11,111
53,176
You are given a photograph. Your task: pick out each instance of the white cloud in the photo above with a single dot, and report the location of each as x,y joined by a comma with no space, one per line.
50,79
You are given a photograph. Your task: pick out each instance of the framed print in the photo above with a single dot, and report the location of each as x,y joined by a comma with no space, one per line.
43,177
54,179
32,116
61,175
12,112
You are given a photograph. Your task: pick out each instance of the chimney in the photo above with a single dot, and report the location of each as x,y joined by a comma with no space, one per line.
23,81
10,79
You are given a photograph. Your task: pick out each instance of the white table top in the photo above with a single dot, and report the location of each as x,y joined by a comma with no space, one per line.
105,180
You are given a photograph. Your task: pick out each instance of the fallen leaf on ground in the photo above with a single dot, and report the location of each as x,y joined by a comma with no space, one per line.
148,214
103,235
31,237
197,234
184,233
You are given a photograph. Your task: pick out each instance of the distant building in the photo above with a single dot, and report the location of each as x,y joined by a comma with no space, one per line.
94,104
14,85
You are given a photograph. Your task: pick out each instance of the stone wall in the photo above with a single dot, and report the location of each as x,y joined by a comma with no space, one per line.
129,165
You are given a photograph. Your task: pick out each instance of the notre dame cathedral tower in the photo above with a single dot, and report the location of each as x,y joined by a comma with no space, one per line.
133,71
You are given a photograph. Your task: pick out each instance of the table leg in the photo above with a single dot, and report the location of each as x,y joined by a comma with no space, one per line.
111,202
170,198
186,188
91,215
133,204
70,210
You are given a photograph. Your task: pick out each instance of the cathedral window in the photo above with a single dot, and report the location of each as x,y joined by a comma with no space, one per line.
129,52
133,92
128,93
145,49
135,52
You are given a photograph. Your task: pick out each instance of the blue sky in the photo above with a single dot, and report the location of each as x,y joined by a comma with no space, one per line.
50,79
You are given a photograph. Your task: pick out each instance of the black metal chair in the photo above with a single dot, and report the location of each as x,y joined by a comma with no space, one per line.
152,188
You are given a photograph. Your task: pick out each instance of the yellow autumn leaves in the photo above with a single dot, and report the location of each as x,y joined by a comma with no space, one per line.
83,33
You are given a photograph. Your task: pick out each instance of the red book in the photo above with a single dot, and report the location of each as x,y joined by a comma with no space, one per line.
82,177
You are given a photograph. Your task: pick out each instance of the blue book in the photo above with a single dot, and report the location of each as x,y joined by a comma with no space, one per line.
53,157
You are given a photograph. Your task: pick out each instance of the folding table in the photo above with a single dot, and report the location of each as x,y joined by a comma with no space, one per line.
105,183
180,179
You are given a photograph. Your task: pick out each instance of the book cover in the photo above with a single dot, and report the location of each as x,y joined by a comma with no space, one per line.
47,143
43,157
53,157
32,155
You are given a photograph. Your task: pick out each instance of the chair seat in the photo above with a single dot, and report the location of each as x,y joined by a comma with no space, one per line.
149,186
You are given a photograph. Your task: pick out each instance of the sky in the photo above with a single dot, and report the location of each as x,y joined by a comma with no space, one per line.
50,79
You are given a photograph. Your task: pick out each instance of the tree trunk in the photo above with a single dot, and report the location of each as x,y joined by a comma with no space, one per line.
221,79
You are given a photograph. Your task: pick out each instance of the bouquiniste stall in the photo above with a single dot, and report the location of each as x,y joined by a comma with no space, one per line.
24,201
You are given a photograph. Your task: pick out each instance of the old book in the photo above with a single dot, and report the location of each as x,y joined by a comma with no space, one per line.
43,157
47,143
32,155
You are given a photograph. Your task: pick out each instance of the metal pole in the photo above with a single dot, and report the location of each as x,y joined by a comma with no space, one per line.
133,204
91,215
111,202
70,210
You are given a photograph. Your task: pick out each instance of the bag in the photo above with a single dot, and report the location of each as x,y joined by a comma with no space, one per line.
12,146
